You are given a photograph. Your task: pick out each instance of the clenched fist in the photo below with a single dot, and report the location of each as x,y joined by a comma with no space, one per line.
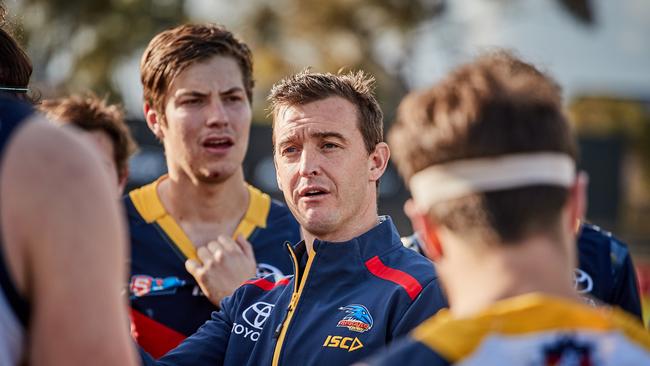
224,265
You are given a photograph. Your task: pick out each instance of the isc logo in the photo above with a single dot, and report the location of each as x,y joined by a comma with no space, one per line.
349,343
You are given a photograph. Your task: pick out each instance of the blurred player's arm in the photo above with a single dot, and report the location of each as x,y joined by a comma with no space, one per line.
59,207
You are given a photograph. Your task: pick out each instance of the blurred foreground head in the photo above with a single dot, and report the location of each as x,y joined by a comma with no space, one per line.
488,153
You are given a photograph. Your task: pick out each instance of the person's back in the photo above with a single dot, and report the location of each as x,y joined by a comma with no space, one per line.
490,161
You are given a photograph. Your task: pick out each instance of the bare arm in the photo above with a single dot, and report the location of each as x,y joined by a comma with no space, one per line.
61,217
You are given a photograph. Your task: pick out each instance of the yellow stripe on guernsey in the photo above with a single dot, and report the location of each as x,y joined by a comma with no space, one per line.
455,339
295,297
149,206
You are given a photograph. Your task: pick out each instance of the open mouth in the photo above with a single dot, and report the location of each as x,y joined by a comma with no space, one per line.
314,192
311,192
218,143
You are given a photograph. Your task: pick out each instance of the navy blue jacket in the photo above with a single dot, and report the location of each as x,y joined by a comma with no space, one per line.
346,301
605,271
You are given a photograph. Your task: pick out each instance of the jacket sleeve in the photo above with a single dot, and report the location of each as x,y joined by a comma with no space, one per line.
626,292
427,304
205,347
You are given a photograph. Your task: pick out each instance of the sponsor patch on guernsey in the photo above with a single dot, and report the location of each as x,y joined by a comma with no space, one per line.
143,285
357,318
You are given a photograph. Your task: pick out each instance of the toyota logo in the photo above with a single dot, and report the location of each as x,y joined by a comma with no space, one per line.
582,281
256,314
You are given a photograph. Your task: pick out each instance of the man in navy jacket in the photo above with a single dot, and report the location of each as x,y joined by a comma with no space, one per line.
355,287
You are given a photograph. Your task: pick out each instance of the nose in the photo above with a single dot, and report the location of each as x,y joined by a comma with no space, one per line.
216,114
310,164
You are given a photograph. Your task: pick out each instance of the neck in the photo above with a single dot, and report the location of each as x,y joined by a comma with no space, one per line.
195,201
358,226
482,277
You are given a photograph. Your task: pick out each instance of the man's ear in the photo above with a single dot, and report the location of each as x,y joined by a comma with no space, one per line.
578,200
122,179
154,120
378,161
426,229
277,176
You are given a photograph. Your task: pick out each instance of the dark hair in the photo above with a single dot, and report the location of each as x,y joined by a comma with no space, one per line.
90,113
15,67
172,51
493,106
356,87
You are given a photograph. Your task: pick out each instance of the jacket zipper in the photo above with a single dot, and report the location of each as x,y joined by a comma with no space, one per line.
281,330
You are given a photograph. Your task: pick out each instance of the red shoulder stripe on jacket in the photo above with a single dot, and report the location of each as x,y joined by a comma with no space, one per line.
267,285
379,269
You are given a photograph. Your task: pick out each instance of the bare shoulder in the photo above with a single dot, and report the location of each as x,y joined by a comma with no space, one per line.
39,147
43,170
62,224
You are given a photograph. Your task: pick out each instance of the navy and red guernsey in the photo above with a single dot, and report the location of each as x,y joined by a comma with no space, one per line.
167,304
347,300
605,273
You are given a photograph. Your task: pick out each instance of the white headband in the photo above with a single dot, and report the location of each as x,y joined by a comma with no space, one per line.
445,182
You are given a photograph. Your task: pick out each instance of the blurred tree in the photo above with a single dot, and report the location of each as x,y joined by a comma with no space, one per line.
78,44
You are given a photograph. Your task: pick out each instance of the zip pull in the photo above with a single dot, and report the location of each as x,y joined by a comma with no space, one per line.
278,330
290,307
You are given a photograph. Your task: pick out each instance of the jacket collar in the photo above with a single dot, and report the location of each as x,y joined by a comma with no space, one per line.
375,242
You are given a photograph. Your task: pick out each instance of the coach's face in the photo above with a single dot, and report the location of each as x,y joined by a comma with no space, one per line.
206,122
325,173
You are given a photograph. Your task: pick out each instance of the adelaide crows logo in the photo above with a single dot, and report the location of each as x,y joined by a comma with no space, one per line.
357,318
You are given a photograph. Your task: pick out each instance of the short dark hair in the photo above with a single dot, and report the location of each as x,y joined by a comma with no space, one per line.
493,106
173,50
15,67
90,113
356,87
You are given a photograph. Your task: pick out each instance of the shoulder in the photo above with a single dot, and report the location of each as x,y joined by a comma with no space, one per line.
133,217
405,269
594,242
595,236
266,283
265,289
42,159
279,214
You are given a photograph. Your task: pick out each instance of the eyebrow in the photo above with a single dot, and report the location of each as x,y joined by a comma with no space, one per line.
192,93
196,93
233,90
318,135
328,134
